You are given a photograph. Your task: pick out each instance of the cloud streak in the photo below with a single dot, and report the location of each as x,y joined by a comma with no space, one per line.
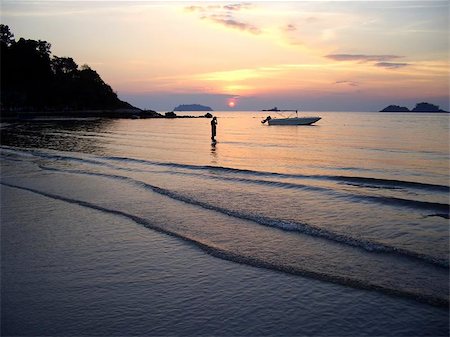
224,15
194,9
362,57
237,7
233,23
390,65
380,61
350,83
290,28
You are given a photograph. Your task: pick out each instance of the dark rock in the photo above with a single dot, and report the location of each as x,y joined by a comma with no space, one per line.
170,114
150,114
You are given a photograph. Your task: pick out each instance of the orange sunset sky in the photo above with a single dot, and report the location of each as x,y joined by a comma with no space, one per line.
309,55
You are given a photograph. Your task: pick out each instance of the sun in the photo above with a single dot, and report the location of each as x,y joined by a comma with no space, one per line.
231,104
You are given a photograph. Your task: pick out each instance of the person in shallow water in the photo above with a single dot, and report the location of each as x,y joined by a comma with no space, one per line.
213,128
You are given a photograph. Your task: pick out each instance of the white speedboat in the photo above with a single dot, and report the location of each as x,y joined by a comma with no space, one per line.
289,120
292,121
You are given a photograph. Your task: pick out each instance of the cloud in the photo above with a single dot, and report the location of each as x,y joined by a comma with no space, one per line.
290,28
312,19
237,7
350,83
224,16
194,9
233,23
381,61
232,7
290,33
362,57
390,65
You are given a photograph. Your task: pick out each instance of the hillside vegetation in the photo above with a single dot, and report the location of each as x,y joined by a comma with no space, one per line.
34,80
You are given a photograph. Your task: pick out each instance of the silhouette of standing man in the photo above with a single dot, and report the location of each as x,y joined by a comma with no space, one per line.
213,129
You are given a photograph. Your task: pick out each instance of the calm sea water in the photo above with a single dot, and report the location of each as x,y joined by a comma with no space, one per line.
359,201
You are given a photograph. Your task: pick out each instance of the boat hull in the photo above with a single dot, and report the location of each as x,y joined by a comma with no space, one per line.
294,121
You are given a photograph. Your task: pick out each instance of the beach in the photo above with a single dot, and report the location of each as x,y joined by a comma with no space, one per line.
143,227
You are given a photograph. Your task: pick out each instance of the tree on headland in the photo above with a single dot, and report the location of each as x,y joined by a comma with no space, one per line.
63,65
26,71
6,37
34,80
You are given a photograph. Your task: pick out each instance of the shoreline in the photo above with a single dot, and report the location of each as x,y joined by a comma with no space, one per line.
146,263
148,114
8,116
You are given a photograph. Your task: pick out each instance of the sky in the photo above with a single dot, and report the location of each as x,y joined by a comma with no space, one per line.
306,55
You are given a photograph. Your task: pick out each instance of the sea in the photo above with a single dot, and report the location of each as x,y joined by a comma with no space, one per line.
145,227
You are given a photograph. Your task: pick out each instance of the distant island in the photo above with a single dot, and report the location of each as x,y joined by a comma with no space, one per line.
395,108
192,107
420,107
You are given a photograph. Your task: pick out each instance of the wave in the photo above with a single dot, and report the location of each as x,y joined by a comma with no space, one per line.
353,180
245,259
392,201
432,207
58,157
392,183
441,215
415,204
350,179
303,228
